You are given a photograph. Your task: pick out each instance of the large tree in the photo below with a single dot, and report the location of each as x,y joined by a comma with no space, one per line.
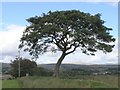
67,30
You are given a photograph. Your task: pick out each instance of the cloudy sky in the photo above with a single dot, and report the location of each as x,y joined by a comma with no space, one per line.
14,15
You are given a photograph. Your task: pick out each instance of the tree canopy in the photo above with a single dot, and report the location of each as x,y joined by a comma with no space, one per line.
26,67
66,31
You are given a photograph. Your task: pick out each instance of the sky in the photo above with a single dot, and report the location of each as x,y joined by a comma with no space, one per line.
14,15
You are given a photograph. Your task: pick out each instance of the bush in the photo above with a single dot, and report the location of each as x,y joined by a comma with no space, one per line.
26,66
40,71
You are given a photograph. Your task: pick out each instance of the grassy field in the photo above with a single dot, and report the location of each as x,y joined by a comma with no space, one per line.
11,84
0,84
50,82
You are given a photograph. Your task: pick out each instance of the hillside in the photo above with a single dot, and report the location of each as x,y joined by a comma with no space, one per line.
5,67
73,67
76,66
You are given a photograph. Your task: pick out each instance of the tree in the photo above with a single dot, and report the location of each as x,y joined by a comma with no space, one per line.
67,30
26,66
40,71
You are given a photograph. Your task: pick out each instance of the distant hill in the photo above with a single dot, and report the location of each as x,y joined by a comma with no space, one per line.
5,64
5,67
63,67
76,66
69,66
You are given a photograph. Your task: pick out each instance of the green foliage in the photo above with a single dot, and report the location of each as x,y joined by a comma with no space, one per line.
26,66
42,72
114,71
74,73
67,30
6,70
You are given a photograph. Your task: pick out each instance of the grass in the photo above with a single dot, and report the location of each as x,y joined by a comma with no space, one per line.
0,84
107,79
51,82
10,84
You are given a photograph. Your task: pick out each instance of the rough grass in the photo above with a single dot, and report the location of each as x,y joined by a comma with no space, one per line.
108,79
0,84
10,84
50,82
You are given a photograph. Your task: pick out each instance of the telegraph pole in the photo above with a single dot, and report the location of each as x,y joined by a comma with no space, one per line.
19,63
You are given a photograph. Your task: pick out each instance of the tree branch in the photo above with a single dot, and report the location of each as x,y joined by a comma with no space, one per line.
70,46
72,50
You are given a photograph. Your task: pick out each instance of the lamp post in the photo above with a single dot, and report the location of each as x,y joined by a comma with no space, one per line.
19,63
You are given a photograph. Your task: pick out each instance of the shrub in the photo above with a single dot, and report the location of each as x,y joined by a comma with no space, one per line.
26,66
40,71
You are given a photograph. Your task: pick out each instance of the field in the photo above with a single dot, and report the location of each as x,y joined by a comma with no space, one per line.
0,84
50,82
10,84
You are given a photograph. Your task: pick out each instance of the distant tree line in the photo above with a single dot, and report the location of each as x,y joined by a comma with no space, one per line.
76,73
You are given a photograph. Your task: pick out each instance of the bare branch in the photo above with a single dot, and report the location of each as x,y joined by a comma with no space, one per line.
72,50
70,46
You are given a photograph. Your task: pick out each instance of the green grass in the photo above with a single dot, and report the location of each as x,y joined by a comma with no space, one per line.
107,79
50,82
10,84
0,84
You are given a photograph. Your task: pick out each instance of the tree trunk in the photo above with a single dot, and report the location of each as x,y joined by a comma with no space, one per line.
57,67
